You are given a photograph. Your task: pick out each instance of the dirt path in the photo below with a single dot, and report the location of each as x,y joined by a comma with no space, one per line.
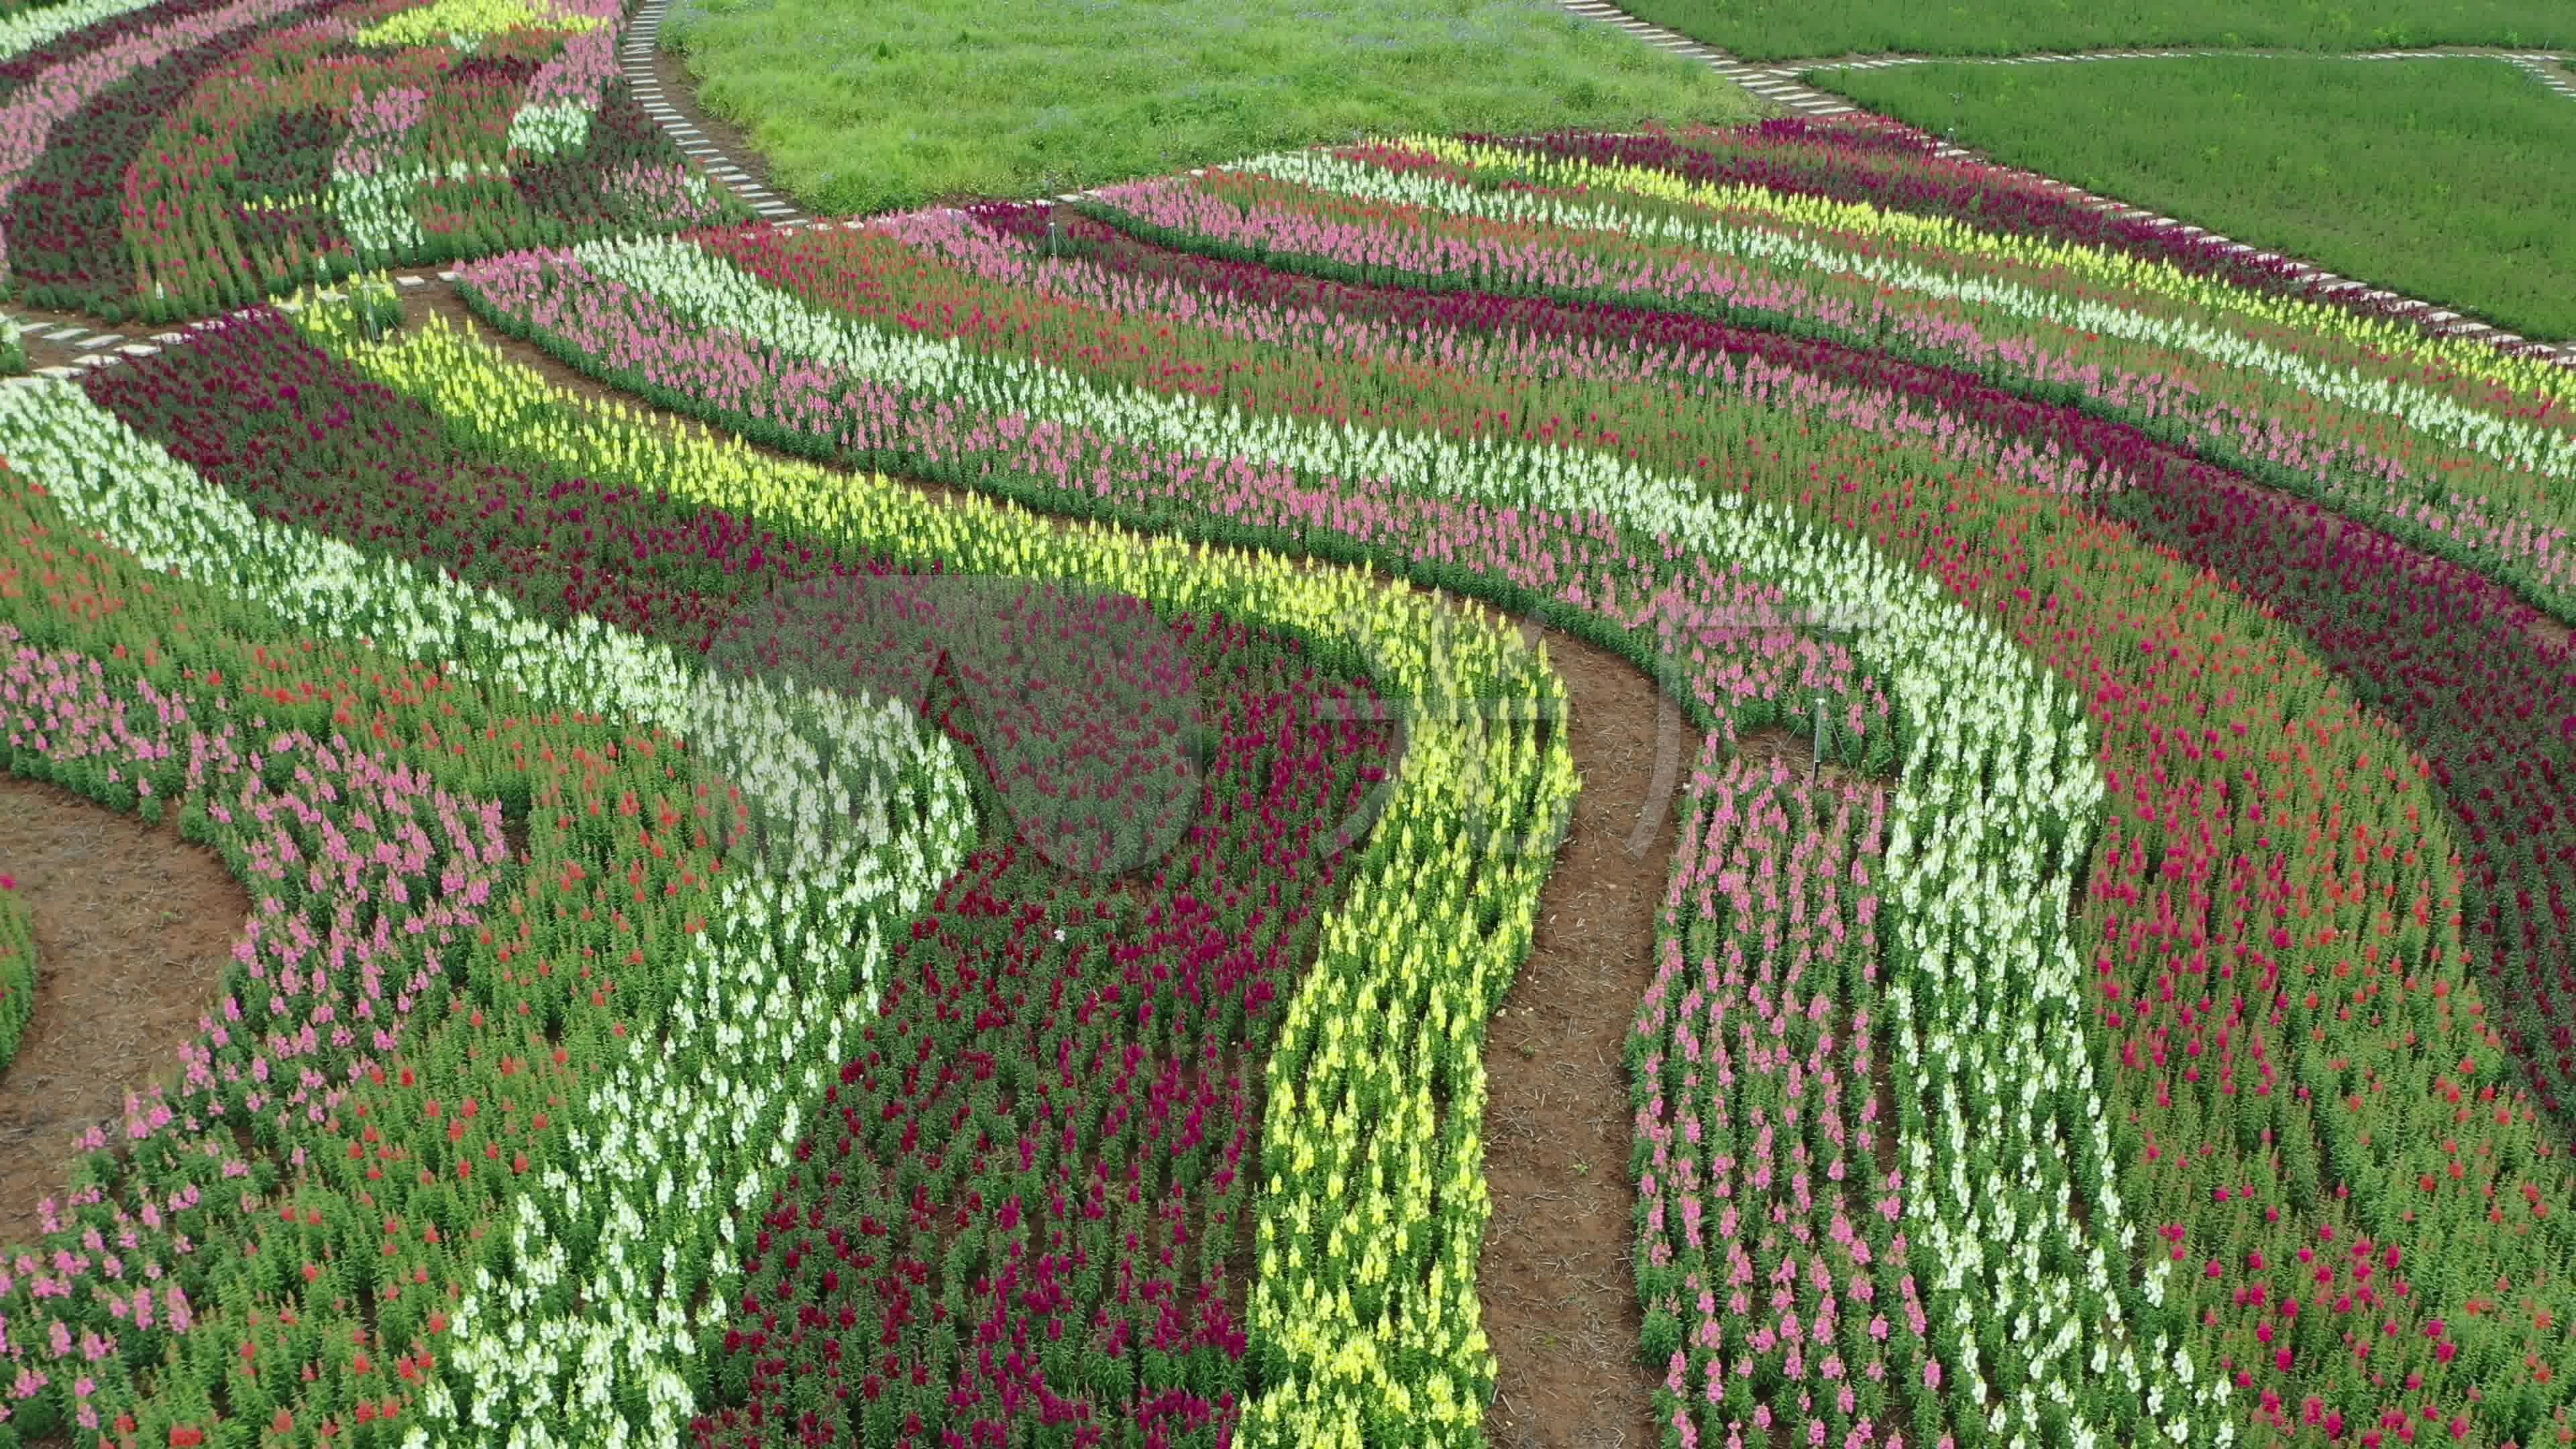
134,927
1558,1281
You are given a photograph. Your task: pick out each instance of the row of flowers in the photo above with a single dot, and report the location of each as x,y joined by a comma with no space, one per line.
256,148
2463,461
1772,1265
1863,173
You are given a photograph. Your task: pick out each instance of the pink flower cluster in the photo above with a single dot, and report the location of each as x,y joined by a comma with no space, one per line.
1771,1266
362,872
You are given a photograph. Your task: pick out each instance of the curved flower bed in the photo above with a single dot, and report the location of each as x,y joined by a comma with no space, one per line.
2112,1064
2162,929
255,147
1180,962
654,314
526,1353
716,963
1480,798
2437,457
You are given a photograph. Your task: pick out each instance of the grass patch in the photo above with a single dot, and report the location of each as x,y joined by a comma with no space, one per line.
897,102
2444,179
1782,29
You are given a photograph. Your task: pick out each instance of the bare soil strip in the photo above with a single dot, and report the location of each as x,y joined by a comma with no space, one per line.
133,929
1559,1282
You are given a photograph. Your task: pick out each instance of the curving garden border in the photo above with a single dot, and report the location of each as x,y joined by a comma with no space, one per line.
1778,82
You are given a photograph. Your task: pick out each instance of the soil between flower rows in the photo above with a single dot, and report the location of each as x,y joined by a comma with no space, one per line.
1559,1289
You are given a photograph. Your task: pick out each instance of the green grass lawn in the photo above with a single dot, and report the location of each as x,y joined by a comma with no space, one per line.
868,106
2444,179
1782,29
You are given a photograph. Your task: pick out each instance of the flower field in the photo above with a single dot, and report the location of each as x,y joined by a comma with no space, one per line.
161,161
913,840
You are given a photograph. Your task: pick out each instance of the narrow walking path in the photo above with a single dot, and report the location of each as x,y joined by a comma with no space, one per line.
660,85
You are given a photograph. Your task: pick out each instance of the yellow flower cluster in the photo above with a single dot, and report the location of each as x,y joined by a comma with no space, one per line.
441,20
296,201
1364,1313
1823,219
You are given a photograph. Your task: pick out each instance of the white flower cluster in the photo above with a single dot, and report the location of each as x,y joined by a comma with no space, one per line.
41,25
543,128
370,194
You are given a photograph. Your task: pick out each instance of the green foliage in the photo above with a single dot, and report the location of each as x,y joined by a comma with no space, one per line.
1782,29
2443,179
17,969
894,104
